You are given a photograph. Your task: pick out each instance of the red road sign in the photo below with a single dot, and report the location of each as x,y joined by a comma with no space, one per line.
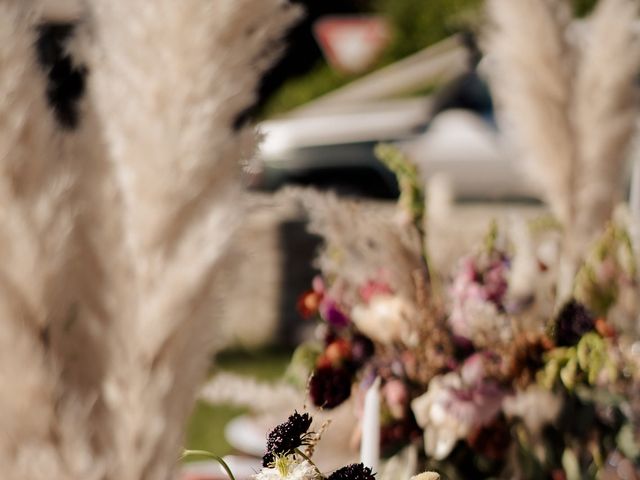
352,44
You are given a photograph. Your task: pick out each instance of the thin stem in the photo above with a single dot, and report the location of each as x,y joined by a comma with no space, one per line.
306,457
204,453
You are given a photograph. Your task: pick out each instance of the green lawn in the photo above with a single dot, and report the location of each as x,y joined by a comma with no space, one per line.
206,426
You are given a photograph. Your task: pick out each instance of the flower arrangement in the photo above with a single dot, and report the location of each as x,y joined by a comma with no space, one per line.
290,447
289,452
486,382
520,361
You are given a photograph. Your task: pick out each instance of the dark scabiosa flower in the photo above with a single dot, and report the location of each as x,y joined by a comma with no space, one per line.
330,386
362,349
573,321
287,436
357,471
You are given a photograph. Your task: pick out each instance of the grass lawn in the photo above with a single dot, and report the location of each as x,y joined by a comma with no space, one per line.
206,426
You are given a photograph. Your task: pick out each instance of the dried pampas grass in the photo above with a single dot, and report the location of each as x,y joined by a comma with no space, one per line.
111,234
361,244
43,426
571,106
532,84
605,110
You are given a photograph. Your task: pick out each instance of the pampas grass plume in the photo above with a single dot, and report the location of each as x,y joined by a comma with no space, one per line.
111,234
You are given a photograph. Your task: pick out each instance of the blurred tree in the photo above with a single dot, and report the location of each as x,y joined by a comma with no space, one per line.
303,53
583,7
418,24
303,75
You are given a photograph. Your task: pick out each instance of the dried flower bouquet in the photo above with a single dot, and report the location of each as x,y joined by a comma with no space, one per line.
523,360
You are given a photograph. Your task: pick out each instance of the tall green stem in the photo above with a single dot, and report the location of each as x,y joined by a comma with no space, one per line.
204,453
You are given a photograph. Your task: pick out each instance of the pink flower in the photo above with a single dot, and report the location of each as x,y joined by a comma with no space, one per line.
396,396
495,281
475,290
373,288
318,285
455,404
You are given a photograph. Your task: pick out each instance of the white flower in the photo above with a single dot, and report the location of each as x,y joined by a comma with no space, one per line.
426,476
453,406
481,322
383,318
527,406
288,469
441,429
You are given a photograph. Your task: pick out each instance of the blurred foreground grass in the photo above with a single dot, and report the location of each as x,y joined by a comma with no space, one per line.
206,426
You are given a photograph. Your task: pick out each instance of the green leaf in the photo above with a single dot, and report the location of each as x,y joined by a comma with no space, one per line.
412,198
627,443
302,363
571,465
569,373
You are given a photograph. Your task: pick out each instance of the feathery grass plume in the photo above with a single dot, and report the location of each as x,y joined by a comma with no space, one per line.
111,233
43,424
169,80
571,111
361,243
532,83
605,111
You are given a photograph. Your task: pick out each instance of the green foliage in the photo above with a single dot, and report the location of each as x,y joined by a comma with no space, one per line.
302,363
611,261
266,364
206,428
300,90
627,444
571,366
418,24
206,425
583,7
412,199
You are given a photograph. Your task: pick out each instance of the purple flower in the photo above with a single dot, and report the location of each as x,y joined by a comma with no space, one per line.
455,404
332,314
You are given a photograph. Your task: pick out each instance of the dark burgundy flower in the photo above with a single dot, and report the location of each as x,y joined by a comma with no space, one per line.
356,471
361,349
287,436
573,321
330,386
492,440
